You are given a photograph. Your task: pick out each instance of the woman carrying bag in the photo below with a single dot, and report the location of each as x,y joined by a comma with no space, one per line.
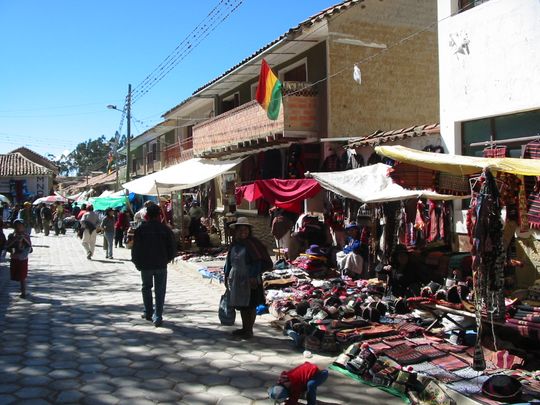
246,260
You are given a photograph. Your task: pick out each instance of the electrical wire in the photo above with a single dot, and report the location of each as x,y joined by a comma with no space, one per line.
215,18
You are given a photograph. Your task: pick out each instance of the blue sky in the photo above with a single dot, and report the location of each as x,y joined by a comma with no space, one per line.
63,61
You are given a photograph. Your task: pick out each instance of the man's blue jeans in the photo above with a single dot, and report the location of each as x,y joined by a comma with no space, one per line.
151,278
311,391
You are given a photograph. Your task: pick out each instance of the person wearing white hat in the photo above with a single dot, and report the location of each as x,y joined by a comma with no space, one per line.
246,260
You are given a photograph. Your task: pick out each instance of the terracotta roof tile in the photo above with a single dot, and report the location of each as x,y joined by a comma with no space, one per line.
15,164
380,137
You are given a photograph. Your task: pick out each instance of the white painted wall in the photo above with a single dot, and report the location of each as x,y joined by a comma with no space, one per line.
501,72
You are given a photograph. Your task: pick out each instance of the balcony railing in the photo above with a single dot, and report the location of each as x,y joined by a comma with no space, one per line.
249,122
177,152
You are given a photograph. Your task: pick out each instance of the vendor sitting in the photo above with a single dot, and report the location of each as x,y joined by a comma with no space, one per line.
292,383
351,260
402,274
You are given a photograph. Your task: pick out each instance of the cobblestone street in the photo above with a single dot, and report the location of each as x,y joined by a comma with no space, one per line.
79,338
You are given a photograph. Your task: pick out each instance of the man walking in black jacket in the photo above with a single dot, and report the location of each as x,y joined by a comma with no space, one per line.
153,248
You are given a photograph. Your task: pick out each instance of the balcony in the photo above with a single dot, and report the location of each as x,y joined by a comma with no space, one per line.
248,124
177,152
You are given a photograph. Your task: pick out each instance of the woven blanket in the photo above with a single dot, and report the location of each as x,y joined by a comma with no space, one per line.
429,351
503,359
413,177
410,329
530,325
449,363
405,355
379,348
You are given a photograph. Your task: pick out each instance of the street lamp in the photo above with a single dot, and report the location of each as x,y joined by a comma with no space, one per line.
128,142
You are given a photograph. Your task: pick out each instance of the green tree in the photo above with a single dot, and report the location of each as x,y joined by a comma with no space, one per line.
89,156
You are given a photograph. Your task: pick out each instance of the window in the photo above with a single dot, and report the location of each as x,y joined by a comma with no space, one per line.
297,72
230,102
155,151
465,5
502,128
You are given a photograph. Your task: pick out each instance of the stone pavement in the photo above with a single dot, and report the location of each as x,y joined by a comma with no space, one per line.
79,338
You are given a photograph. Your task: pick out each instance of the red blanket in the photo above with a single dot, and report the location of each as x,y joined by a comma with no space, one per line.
286,194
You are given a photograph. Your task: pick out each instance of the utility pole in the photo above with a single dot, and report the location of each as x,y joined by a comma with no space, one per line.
128,108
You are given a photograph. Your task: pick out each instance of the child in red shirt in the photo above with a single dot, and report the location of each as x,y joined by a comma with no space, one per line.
291,384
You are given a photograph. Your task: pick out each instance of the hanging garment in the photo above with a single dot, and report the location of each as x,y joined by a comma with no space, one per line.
354,160
271,167
495,152
332,163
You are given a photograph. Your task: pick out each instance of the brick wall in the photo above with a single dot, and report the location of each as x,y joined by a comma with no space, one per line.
249,121
302,113
399,86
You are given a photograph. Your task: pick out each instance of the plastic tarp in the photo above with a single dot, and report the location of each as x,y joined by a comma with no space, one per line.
286,194
371,184
102,203
183,175
457,164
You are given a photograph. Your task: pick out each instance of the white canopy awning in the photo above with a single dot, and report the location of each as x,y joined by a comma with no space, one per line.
183,175
371,184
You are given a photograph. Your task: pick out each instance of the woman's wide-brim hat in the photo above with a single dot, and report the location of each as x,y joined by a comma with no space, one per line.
240,221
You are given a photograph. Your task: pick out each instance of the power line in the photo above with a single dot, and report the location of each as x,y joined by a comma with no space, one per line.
214,18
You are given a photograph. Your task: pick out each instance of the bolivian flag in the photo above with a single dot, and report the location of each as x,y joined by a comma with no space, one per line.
269,91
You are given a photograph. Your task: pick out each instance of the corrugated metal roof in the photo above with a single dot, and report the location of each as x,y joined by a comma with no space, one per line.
380,137
15,164
324,14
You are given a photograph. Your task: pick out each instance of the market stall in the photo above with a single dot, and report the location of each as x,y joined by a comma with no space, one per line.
412,323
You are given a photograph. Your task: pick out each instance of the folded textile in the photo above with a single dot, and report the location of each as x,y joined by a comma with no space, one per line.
450,348
523,330
449,363
528,308
379,348
528,324
530,316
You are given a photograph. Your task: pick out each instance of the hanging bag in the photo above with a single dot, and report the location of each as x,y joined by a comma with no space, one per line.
226,313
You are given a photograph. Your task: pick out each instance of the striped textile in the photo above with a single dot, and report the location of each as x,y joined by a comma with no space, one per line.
495,152
449,363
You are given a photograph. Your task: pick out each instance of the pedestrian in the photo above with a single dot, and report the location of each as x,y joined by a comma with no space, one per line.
246,260
153,248
25,215
141,216
2,242
107,225
195,214
82,211
19,246
6,212
58,219
38,225
76,209
293,383
120,227
46,218
89,223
